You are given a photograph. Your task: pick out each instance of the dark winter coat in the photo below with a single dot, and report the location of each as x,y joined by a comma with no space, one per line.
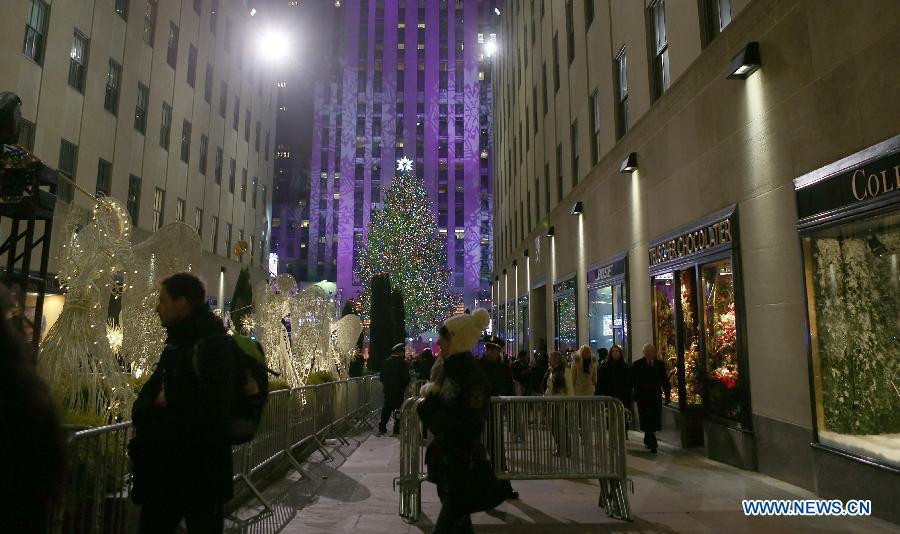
184,447
423,367
394,376
650,383
456,416
538,373
498,376
520,374
614,380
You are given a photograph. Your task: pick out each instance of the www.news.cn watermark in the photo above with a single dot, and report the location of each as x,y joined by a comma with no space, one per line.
806,507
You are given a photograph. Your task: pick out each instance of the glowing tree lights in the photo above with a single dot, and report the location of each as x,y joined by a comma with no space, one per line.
403,242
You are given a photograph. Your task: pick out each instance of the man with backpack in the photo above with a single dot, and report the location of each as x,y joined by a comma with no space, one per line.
184,416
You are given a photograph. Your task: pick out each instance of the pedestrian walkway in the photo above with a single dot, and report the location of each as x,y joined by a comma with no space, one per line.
675,491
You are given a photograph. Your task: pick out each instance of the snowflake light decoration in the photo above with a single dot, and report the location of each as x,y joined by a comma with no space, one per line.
404,164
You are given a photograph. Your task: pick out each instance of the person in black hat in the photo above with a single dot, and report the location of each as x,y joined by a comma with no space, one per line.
494,368
499,377
394,379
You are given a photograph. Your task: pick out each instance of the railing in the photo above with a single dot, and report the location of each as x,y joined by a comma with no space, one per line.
535,438
412,461
96,495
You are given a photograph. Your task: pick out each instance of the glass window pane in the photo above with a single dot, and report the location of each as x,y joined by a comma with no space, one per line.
664,336
690,339
566,323
720,329
854,289
601,317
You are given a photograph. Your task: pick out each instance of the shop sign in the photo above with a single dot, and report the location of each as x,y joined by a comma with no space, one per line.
607,272
864,183
693,242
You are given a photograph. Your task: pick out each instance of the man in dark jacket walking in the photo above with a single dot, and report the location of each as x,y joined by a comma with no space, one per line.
499,377
181,452
394,379
650,383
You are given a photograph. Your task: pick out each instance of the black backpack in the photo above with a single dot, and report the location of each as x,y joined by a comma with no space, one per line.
251,388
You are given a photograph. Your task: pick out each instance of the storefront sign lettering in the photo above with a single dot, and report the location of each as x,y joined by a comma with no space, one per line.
606,272
873,181
874,184
694,242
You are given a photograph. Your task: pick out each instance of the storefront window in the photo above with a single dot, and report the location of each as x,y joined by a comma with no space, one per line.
722,367
566,323
853,286
671,318
510,326
523,322
664,328
606,317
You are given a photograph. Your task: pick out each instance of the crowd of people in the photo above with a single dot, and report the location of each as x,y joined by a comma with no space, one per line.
576,373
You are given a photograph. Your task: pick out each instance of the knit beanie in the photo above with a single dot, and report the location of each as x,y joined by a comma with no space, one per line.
465,330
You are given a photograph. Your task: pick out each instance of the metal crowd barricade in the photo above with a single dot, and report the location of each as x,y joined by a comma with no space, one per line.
412,461
535,438
412,389
96,496
562,437
96,493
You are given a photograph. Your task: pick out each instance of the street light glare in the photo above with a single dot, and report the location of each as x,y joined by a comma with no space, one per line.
274,46
490,48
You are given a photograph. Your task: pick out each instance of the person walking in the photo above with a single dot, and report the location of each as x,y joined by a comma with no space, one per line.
584,381
394,379
537,373
650,383
455,409
584,372
558,380
558,383
521,381
181,452
423,366
614,377
499,378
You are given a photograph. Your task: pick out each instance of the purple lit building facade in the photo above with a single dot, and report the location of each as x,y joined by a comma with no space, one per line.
406,79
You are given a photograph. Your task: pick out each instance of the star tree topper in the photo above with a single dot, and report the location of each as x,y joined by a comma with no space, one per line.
404,164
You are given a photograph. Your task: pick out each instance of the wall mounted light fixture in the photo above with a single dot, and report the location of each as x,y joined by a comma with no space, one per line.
550,231
629,164
745,63
578,208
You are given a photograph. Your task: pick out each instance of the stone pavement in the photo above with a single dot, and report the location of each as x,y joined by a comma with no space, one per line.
674,491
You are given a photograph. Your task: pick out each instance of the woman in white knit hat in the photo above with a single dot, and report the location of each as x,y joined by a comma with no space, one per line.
454,410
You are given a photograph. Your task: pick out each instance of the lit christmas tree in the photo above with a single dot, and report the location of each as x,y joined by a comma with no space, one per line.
403,242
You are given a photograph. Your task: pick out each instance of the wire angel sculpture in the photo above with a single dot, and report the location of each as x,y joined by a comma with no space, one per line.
272,309
311,314
344,334
75,357
173,248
